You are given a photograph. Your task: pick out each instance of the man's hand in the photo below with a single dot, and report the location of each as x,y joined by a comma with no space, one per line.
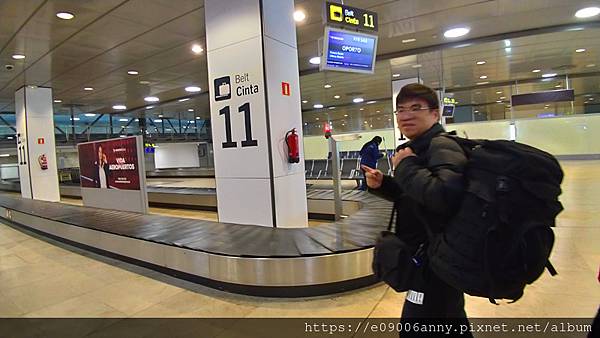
374,177
400,155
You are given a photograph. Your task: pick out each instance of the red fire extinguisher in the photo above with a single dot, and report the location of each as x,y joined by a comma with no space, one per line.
43,162
291,140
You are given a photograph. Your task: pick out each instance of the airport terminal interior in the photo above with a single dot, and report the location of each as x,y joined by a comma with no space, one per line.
190,158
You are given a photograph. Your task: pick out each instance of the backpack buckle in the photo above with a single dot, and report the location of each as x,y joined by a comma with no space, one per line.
502,184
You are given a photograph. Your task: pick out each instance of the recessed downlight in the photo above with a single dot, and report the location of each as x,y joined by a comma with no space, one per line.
315,60
408,40
579,50
318,106
119,107
88,89
358,100
483,77
193,89
197,49
587,12
299,16
483,83
149,107
57,101
304,101
18,56
371,102
90,114
190,109
549,75
65,15
134,72
480,63
536,71
336,97
151,99
457,32
327,86
123,120
183,100
395,75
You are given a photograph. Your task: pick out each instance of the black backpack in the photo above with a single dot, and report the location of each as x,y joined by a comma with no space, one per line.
500,238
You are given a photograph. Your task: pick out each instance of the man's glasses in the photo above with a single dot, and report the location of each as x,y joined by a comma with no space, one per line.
411,110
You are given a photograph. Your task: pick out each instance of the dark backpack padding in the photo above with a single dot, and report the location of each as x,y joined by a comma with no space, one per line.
500,238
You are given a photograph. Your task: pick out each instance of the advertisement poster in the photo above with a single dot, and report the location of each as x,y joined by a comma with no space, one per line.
110,164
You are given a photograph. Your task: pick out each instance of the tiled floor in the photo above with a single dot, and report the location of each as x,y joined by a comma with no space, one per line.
42,278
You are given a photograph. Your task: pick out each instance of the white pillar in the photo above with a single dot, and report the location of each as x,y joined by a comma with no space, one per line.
254,101
35,143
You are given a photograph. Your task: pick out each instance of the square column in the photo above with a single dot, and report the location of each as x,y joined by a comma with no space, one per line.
255,100
36,151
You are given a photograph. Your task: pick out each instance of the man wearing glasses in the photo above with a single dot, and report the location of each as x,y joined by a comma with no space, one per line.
426,189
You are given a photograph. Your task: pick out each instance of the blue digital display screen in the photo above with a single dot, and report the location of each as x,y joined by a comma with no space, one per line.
349,51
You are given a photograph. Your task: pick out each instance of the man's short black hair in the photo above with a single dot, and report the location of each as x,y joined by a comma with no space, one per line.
418,91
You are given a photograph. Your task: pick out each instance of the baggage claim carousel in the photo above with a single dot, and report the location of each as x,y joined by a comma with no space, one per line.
247,259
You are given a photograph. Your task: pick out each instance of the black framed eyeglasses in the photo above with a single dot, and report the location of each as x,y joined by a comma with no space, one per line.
411,110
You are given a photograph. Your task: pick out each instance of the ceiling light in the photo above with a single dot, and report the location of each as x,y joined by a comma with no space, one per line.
183,100
57,101
149,107
318,106
499,92
480,63
331,108
65,15
197,49
193,89
591,99
409,40
304,101
358,100
499,101
151,99
197,117
327,86
366,122
158,121
336,97
502,97
134,72
75,119
361,109
119,107
378,111
10,137
190,109
315,60
457,32
476,111
18,56
371,102
506,43
557,86
395,75
160,115
144,82
483,77
345,115
123,120
549,75
591,65
482,83
587,12
299,16
580,50
316,118
90,114
536,71
417,66
88,89
508,50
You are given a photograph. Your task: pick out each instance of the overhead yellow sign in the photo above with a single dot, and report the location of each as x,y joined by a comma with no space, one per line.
357,18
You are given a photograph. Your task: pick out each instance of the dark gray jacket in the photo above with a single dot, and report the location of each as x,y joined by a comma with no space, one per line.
427,187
